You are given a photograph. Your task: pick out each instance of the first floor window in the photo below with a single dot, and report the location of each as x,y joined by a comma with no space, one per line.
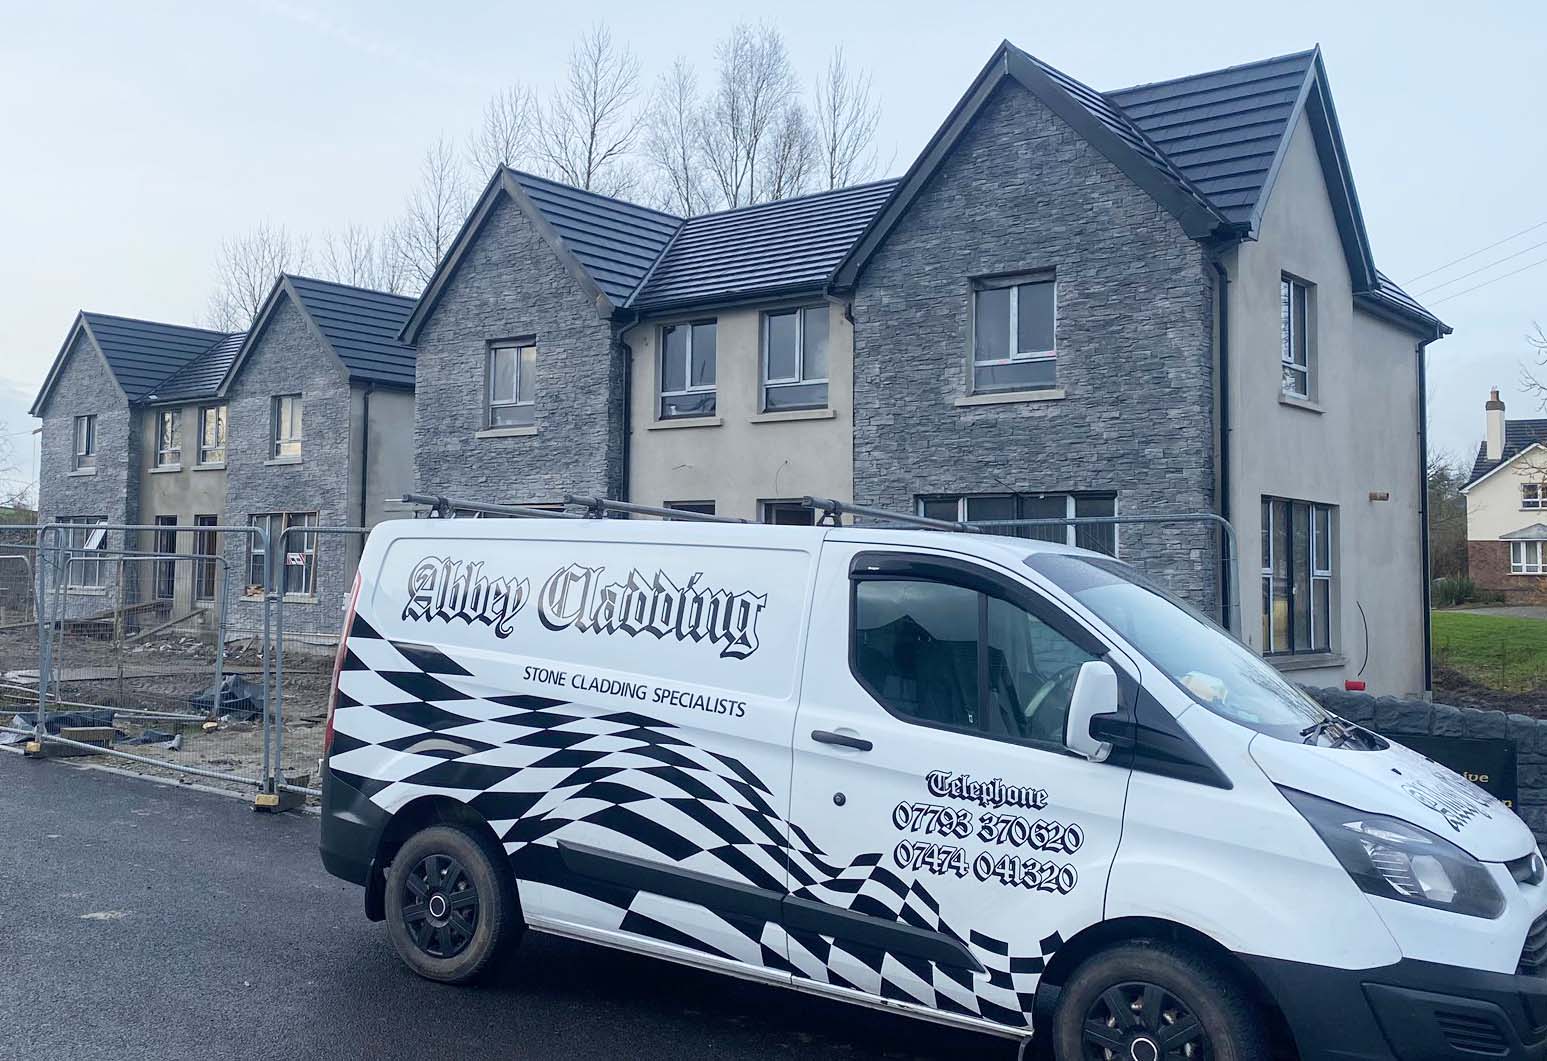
1297,572
1528,558
85,442
206,546
1013,344
788,514
287,426
687,370
295,554
512,385
86,537
212,434
993,508
795,359
1533,495
1295,337
169,437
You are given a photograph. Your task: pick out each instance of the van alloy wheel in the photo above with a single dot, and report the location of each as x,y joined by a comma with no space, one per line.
440,906
1139,1021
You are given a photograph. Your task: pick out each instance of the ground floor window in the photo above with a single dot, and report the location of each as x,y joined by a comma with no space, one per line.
1528,558
207,545
697,508
788,514
1297,574
166,570
295,555
84,538
974,508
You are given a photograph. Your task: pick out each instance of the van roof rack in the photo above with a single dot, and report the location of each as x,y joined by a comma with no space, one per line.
447,507
597,507
830,511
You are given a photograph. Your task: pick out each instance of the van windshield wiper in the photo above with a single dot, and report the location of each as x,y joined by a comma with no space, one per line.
1331,725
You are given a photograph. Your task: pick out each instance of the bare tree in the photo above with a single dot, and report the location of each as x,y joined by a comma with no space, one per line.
846,121
749,132
355,255
590,124
245,271
791,156
672,141
505,136
434,214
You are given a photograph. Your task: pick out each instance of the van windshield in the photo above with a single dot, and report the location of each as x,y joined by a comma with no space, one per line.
1212,667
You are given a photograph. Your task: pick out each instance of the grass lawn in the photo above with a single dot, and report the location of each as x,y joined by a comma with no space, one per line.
1499,651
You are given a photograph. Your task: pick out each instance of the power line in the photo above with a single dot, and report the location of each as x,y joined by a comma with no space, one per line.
1483,268
1494,280
1480,250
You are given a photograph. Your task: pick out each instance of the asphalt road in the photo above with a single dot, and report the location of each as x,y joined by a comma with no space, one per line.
142,921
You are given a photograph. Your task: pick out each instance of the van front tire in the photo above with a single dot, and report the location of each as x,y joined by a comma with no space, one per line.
450,904
1152,1001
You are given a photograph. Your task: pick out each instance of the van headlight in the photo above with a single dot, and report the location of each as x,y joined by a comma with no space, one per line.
1393,859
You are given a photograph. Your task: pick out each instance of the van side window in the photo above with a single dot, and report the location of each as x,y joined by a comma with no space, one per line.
947,655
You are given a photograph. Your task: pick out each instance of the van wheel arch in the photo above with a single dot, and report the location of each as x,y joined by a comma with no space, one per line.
1104,934
418,814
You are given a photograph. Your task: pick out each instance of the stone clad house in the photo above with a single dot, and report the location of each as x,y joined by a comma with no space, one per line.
302,421
1155,300
1506,508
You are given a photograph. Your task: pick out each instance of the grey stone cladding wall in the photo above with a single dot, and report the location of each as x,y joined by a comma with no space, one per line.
511,285
85,386
290,358
1392,716
1021,191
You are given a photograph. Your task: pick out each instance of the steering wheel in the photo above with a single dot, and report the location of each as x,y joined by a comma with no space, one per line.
1049,725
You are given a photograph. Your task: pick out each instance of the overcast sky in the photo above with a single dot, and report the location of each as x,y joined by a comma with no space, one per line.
136,137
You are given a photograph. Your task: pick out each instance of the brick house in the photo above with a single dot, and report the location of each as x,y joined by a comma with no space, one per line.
1506,507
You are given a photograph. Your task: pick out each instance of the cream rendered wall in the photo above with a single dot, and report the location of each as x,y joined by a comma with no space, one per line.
1493,504
389,457
1358,436
740,457
184,490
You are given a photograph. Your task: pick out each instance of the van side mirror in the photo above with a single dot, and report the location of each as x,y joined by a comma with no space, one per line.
1095,693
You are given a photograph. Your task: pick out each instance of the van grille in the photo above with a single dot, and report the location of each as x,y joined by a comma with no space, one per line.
1472,1034
1533,959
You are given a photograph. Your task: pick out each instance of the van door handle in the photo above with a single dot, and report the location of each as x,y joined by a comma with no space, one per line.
843,740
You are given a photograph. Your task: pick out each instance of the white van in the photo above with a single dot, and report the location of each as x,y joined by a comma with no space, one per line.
987,781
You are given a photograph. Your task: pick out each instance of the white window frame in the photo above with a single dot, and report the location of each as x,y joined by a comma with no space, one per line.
515,346
86,535
169,438
1533,496
800,379
1287,335
687,369
281,443
1015,357
1518,552
213,454
84,435
1324,575
274,524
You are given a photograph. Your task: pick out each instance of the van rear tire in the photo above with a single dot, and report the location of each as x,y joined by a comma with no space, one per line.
1150,1001
451,904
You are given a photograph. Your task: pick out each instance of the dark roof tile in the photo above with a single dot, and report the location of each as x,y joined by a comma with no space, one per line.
362,326
1519,435
200,378
143,353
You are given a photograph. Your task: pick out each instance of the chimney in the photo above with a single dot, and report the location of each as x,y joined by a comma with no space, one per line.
1495,409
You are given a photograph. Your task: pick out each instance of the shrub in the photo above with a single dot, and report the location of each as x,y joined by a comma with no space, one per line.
1449,592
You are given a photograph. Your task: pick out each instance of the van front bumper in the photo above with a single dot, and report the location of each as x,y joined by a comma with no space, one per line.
1409,1011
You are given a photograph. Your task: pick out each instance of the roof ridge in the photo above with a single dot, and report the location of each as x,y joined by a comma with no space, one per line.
791,199
159,324
597,195
1205,73
351,287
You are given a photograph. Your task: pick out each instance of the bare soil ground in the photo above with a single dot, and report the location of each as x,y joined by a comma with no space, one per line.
1453,687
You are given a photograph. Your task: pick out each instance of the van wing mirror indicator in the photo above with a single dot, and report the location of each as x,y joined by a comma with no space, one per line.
1095,693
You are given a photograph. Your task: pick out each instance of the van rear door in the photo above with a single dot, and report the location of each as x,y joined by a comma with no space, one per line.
953,842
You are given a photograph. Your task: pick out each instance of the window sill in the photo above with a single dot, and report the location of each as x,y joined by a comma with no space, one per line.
166,469
782,415
213,466
1050,394
88,591
290,598
507,432
1309,661
81,473
274,462
686,421
1300,403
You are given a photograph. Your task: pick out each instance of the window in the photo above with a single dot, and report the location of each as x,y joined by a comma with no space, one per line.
1533,495
1528,558
212,434
973,508
287,426
296,568
1297,547
206,545
169,438
1013,344
950,656
1295,318
166,570
687,370
512,382
702,508
85,442
788,514
795,359
86,536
